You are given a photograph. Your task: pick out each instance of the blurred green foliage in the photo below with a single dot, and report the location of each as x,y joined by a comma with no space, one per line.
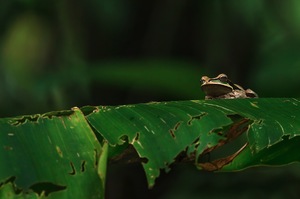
59,54
51,51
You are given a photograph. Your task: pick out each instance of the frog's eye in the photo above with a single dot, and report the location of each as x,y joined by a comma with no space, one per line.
223,78
204,79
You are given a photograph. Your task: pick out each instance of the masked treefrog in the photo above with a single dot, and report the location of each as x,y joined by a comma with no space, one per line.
221,87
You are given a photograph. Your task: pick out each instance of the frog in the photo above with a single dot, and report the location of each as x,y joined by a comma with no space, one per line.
221,87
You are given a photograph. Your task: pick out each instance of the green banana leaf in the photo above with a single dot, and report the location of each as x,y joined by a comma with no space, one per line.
55,152
64,154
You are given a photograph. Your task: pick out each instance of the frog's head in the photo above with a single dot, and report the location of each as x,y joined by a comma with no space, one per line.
216,86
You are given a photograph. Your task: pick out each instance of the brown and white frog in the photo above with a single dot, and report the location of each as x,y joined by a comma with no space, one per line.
221,87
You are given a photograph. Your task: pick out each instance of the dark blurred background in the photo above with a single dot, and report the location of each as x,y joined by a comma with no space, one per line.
58,54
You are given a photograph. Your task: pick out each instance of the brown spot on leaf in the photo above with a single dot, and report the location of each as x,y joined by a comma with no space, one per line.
8,148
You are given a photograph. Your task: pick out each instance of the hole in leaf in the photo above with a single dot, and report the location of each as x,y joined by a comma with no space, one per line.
235,117
73,172
123,139
82,166
206,157
86,110
219,163
46,187
96,158
196,142
129,155
196,117
233,142
224,152
177,126
144,160
23,119
137,136
52,114
259,121
172,131
11,180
